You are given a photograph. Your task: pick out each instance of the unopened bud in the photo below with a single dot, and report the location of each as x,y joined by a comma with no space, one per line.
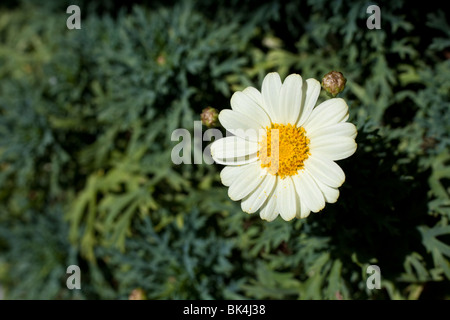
272,42
333,82
137,294
161,60
210,117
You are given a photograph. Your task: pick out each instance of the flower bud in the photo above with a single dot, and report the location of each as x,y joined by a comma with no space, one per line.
137,294
333,83
210,117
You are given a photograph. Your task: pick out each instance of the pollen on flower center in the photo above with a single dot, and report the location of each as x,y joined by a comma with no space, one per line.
284,149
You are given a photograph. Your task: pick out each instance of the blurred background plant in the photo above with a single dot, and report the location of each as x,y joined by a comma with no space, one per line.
86,118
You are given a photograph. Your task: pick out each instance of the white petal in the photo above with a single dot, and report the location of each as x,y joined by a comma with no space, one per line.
271,87
256,199
331,194
268,211
308,191
238,160
244,104
343,129
290,99
286,199
311,90
231,173
240,124
325,170
230,147
256,96
327,113
304,211
247,182
333,147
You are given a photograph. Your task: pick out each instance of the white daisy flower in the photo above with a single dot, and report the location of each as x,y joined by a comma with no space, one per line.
289,168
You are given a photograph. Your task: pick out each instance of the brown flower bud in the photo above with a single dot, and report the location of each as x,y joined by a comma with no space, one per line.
137,294
333,82
161,60
210,117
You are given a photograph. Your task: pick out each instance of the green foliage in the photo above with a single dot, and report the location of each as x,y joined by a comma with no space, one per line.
86,118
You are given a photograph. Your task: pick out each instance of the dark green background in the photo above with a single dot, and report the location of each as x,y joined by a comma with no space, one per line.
86,118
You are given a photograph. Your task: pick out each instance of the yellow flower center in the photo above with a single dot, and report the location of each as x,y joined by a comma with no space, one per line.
284,149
